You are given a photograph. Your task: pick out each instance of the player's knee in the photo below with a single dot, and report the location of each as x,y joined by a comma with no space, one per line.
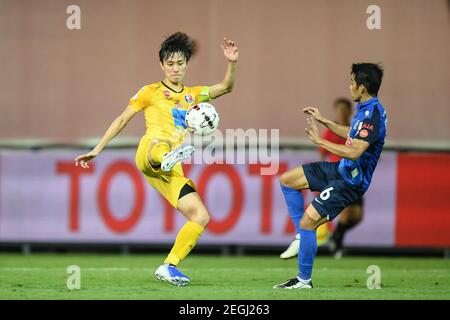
293,179
307,223
205,218
201,216
285,180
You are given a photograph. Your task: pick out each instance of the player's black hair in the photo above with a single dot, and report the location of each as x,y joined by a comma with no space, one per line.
177,42
344,101
369,75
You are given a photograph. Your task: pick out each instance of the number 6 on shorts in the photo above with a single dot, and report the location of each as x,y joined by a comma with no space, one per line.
325,194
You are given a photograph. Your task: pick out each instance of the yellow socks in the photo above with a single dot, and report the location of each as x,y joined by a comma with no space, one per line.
158,152
185,241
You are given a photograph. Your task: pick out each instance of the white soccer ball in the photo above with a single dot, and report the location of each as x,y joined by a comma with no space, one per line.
202,119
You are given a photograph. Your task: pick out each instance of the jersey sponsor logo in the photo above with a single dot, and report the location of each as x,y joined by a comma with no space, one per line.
367,126
179,117
189,99
363,133
166,93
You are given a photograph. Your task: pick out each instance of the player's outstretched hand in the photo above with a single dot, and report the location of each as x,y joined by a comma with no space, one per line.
312,131
230,51
85,158
315,113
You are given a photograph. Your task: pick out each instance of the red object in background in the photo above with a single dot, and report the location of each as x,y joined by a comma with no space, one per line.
126,224
267,193
74,172
423,200
237,190
329,135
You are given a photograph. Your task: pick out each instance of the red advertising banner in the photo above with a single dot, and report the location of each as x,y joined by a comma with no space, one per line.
423,200
45,198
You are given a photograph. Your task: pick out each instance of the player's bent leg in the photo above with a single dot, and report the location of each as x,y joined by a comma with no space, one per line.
307,250
295,179
312,219
308,245
161,155
157,152
192,207
291,182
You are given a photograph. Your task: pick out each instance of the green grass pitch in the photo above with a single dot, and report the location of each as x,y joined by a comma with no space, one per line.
44,276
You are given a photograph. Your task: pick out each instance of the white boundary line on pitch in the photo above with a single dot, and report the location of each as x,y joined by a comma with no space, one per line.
192,289
113,269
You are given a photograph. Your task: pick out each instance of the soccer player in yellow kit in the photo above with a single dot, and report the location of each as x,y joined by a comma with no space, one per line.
158,156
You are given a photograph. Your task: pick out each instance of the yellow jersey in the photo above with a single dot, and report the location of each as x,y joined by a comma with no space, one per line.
165,109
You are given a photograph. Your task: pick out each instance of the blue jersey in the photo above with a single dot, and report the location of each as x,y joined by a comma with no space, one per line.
368,124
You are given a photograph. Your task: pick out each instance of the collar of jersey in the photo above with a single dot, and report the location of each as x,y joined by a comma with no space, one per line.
368,102
165,85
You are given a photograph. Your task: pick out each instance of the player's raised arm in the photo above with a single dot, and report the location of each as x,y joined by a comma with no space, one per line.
231,53
352,151
114,129
340,130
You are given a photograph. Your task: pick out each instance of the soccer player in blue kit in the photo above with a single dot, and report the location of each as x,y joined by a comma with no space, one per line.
341,183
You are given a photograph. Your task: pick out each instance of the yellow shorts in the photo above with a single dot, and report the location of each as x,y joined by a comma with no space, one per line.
168,184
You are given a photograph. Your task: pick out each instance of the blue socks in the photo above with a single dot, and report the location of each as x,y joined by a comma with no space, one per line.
308,241
295,204
306,254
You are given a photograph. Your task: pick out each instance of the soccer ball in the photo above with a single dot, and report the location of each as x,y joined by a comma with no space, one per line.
202,119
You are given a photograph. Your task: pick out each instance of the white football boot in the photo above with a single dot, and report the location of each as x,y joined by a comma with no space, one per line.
292,250
173,157
170,273
294,283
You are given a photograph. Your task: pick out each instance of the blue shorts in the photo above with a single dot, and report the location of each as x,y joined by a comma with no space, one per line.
335,194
